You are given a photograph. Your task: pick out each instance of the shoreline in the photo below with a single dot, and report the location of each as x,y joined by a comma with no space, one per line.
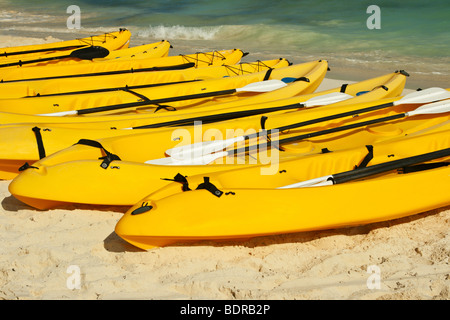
40,247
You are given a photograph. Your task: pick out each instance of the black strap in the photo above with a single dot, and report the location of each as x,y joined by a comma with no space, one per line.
302,79
344,87
263,126
423,167
144,98
40,143
268,73
165,107
180,179
382,87
210,187
110,157
26,166
367,158
263,122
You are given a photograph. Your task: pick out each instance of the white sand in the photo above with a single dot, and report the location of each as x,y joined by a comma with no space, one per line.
412,255
38,247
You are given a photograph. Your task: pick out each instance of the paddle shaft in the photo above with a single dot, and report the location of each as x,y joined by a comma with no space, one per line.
125,88
322,119
319,133
108,73
227,116
21,63
158,101
424,96
220,117
387,166
87,53
14,53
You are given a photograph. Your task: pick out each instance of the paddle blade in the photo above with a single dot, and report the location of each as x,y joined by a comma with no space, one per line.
59,114
309,183
424,96
199,161
326,99
431,108
201,148
263,86
90,53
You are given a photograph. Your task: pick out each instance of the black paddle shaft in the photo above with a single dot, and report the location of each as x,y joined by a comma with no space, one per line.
322,119
219,117
387,166
108,73
246,113
88,53
320,133
156,101
14,53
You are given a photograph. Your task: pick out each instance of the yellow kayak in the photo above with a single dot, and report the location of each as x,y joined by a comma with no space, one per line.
222,57
239,205
101,48
27,51
119,81
113,165
55,137
152,50
193,94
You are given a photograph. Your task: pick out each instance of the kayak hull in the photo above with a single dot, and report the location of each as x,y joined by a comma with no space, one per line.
245,213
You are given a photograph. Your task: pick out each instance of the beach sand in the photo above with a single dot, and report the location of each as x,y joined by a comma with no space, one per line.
42,253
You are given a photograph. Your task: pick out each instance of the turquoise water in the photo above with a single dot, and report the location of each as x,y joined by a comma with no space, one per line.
414,35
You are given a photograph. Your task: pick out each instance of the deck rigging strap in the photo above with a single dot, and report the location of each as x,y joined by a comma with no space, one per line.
40,143
180,179
107,159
